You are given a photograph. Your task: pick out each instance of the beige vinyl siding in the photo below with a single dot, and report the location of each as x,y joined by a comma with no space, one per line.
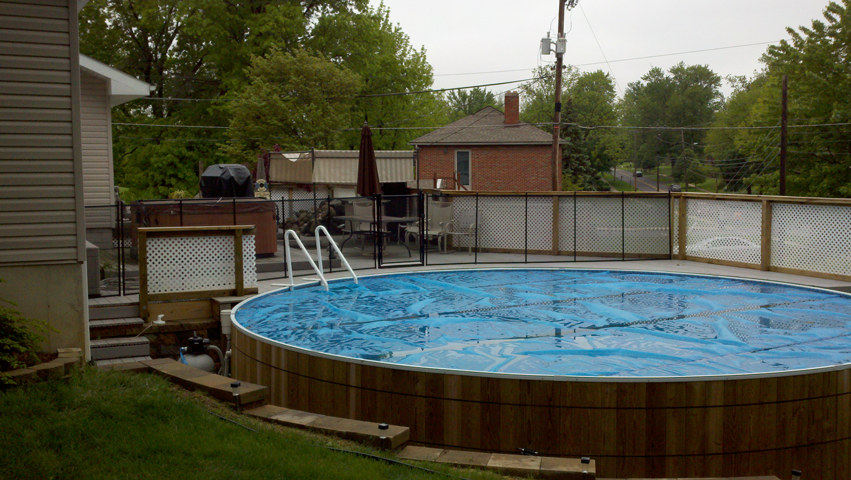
40,171
97,151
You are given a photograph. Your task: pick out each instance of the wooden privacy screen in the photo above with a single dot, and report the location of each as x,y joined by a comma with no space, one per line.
182,263
740,426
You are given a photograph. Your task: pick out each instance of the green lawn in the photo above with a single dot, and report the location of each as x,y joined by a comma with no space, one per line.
619,185
113,425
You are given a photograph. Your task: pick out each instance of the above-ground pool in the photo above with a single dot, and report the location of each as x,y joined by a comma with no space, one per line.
649,374
563,322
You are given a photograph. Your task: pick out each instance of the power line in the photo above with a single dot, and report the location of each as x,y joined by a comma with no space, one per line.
614,78
165,126
446,89
617,61
539,124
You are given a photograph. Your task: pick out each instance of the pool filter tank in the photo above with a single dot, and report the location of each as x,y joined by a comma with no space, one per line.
195,355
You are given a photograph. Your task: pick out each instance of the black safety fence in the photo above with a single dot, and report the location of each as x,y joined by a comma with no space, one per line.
386,231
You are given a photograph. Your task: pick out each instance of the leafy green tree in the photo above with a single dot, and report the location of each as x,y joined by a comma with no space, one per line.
294,100
188,50
729,150
368,44
816,62
685,96
467,102
588,101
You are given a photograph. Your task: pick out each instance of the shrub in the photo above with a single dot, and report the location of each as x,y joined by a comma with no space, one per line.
20,338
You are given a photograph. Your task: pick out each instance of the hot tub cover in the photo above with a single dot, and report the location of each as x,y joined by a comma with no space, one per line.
226,180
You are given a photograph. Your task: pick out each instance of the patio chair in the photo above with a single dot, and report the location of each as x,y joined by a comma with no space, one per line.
464,225
439,214
361,208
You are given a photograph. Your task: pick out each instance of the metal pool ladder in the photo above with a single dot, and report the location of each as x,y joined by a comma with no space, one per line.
290,261
316,269
322,229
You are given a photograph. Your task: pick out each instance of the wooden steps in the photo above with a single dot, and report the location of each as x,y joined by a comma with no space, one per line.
380,435
515,465
120,347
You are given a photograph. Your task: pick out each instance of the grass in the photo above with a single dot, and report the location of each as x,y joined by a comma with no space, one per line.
107,425
619,185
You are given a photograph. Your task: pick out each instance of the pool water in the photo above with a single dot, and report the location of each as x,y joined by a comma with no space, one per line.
563,322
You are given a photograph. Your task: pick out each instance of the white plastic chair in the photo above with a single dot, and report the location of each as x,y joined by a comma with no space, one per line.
439,215
464,225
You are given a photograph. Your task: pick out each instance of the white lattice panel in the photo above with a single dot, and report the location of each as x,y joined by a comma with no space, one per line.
502,222
459,205
565,224
598,224
815,238
540,232
724,230
646,222
186,264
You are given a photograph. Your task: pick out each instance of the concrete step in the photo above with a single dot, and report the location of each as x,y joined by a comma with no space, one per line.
377,434
124,347
105,312
115,327
515,465
116,322
127,363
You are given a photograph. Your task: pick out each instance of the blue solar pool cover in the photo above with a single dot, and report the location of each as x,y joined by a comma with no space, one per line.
563,322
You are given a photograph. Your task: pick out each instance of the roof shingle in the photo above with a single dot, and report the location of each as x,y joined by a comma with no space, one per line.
485,127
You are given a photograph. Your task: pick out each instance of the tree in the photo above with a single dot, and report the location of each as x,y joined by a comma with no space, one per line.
685,96
467,102
729,151
816,62
198,50
368,44
588,102
297,101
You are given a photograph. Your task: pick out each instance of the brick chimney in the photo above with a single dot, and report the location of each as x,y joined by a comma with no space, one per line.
512,108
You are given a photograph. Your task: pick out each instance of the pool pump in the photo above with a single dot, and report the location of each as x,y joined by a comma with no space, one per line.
195,354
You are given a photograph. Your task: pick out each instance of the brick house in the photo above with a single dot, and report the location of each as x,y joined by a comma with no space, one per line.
488,151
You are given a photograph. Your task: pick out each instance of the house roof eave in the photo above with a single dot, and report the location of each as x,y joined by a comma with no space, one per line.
122,87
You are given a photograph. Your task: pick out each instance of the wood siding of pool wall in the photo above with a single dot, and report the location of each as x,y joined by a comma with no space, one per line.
749,425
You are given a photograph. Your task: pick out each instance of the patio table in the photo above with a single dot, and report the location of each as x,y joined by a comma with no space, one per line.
385,220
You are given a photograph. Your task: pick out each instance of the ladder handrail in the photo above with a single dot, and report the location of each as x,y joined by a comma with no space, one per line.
321,228
306,254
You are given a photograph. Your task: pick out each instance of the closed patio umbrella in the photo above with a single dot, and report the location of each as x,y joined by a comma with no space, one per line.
368,184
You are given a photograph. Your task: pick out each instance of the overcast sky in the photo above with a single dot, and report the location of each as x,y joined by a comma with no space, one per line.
473,36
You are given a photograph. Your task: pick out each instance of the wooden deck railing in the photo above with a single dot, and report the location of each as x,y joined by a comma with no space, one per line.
182,263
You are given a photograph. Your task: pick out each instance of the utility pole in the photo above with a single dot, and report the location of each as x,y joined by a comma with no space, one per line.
556,157
784,139
635,161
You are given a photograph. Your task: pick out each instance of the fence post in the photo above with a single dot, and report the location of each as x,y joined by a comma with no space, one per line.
765,237
682,228
142,238
238,273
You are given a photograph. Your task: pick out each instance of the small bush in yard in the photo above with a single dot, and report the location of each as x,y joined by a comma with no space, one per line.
20,339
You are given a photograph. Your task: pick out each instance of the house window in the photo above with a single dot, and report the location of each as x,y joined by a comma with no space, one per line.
462,167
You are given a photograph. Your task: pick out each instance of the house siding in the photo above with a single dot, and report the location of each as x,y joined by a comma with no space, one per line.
41,200
42,226
493,168
97,151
